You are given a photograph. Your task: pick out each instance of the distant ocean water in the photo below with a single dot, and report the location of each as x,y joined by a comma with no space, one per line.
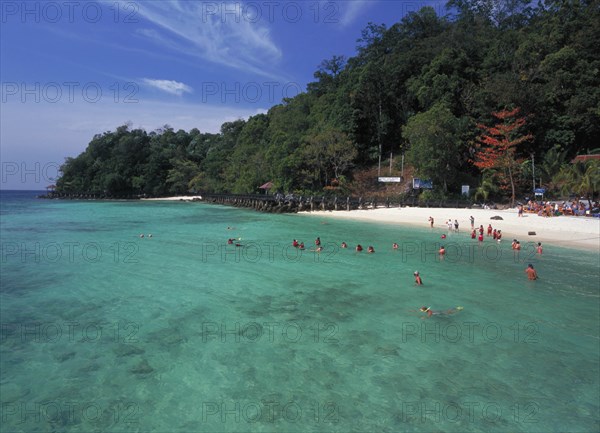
102,330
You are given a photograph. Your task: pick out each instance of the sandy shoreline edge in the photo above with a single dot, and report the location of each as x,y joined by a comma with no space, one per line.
567,231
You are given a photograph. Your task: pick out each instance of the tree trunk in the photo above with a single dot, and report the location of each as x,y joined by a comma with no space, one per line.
512,187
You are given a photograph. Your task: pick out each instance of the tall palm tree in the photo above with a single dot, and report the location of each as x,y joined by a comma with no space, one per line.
581,178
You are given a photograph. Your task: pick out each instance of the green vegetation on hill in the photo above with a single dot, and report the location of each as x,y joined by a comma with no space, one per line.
424,87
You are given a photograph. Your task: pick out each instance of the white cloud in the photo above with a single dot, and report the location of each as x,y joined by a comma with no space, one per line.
169,86
217,32
351,10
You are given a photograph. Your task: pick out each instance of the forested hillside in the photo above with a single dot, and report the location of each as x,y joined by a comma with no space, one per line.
430,87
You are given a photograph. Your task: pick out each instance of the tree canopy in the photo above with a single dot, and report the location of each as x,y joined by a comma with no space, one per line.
420,86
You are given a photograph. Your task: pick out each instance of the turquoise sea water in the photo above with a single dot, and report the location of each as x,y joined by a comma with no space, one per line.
105,331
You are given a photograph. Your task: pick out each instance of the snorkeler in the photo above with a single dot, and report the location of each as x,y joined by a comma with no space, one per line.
431,312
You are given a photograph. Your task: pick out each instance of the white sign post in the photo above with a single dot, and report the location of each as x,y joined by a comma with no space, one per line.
390,179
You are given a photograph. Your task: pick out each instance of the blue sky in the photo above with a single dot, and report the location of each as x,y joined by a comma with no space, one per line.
70,70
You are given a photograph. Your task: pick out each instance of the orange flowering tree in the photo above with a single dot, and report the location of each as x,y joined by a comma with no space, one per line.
496,148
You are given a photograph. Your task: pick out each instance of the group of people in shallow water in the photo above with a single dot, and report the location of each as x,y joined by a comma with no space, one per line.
478,234
475,233
318,247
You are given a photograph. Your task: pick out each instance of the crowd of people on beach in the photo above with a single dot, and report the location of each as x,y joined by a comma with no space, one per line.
549,209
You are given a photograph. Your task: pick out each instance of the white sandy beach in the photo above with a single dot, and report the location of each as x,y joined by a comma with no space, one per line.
569,231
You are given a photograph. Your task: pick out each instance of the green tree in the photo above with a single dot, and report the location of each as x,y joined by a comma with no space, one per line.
581,178
437,145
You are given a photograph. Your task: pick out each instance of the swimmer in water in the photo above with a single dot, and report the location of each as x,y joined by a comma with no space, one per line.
370,249
418,280
431,312
531,273
539,248
395,246
359,248
344,245
442,250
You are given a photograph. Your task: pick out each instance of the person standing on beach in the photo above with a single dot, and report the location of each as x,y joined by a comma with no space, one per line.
431,222
472,222
456,226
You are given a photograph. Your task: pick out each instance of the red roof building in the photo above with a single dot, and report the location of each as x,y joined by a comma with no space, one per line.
583,158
